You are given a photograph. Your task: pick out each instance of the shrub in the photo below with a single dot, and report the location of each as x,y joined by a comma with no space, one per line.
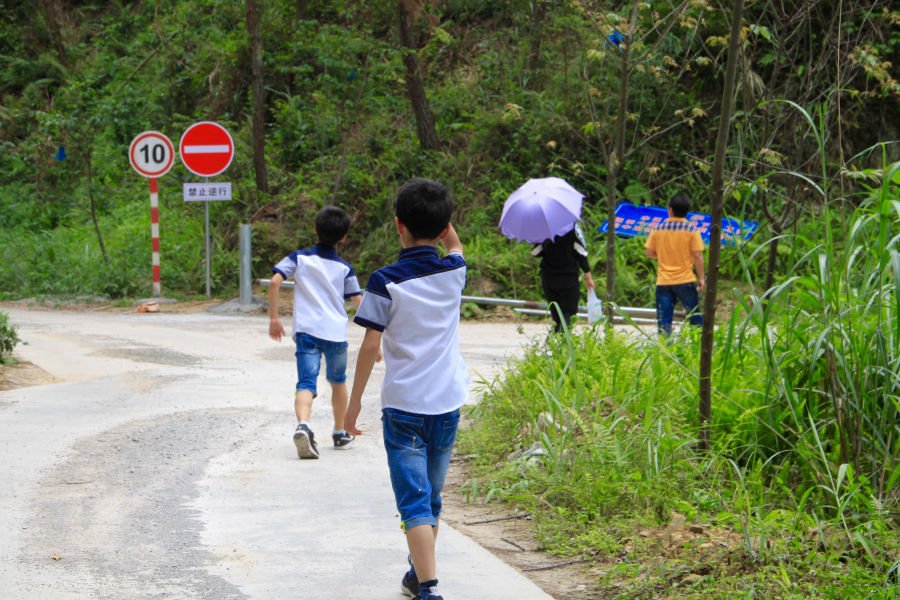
8,336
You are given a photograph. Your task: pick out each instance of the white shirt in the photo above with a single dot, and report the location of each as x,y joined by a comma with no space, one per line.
415,302
323,281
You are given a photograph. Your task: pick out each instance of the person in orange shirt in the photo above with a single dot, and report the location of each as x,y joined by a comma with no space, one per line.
678,248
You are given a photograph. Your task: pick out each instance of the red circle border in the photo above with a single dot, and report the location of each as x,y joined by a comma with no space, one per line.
164,138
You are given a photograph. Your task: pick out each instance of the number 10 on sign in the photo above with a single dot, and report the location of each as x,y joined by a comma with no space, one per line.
152,155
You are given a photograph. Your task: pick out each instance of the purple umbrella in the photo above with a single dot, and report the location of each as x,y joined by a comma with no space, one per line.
541,209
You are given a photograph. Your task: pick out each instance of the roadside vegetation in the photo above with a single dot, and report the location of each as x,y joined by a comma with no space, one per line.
598,433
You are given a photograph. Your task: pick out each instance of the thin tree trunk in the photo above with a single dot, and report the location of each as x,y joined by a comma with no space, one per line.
415,89
773,258
537,35
340,173
90,184
715,235
52,17
616,162
259,97
301,8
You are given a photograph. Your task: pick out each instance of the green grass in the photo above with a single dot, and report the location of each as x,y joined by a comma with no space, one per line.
803,480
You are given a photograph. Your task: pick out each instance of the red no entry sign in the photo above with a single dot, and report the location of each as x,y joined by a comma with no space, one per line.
206,149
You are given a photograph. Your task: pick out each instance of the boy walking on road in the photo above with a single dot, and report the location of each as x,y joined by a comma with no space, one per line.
677,246
323,281
414,304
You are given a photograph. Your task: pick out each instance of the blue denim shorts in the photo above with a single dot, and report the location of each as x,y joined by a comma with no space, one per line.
309,358
418,452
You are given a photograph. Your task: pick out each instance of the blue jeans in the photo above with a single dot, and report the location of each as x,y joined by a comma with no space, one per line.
309,358
418,452
667,295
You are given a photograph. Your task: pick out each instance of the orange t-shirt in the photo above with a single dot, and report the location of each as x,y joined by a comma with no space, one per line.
674,240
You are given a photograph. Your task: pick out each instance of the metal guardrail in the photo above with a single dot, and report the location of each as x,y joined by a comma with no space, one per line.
529,307
617,320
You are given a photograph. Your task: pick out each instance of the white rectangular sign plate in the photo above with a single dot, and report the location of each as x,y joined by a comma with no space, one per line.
199,192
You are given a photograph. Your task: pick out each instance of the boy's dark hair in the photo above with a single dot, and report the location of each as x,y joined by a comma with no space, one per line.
680,205
424,207
332,224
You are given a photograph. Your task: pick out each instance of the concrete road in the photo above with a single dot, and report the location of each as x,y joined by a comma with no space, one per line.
161,465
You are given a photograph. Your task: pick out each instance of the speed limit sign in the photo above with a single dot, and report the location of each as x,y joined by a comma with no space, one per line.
151,154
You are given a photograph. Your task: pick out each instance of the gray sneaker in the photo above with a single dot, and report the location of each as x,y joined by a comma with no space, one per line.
305,442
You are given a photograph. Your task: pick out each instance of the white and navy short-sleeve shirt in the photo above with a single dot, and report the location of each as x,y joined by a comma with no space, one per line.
415,302
323,281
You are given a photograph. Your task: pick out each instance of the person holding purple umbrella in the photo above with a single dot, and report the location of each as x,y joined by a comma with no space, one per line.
545,212
561,259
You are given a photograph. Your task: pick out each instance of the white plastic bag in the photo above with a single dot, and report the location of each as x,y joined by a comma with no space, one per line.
594,306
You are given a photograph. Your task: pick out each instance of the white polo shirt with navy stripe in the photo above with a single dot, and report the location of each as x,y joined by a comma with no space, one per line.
322,282
415,302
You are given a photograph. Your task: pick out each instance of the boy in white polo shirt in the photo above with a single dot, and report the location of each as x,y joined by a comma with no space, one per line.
413,305
323,281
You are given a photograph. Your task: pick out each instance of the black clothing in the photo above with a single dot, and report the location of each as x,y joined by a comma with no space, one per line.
565,291
563,255
560,260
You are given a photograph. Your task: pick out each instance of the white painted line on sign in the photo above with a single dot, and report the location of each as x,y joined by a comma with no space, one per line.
206,149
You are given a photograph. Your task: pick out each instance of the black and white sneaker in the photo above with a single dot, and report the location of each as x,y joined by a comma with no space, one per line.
430,590
409,585
342,441
305,442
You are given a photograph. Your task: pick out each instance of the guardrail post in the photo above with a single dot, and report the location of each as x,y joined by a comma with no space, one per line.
245,264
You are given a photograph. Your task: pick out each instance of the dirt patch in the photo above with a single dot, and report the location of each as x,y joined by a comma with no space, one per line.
511,540
23,374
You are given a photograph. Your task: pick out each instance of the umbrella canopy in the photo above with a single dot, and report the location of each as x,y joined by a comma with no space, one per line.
541,209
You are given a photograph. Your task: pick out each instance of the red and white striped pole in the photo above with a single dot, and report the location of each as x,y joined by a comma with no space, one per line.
154,234
152,155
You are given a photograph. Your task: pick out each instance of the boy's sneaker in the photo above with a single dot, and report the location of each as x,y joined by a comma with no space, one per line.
409,585
342,441
429,591
305,442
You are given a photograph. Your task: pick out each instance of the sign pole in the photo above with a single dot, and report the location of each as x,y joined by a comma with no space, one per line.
152,154
154,235
207,149
206,204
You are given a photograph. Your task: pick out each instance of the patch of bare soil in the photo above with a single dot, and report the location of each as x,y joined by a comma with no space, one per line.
496,529
23,374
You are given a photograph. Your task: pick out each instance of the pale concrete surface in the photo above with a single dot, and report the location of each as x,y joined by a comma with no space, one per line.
161,466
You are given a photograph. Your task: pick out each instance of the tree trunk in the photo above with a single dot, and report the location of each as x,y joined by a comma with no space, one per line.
773,257
301,9
259,97
715,235
90,182
52,17
537,34
616,162
415,89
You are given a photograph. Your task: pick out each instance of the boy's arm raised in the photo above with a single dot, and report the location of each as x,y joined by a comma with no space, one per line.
276,329
451,241
368,353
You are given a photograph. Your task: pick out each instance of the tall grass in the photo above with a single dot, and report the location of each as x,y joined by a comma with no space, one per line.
806,418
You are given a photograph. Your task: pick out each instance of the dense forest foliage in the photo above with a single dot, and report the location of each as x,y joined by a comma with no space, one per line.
514,89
